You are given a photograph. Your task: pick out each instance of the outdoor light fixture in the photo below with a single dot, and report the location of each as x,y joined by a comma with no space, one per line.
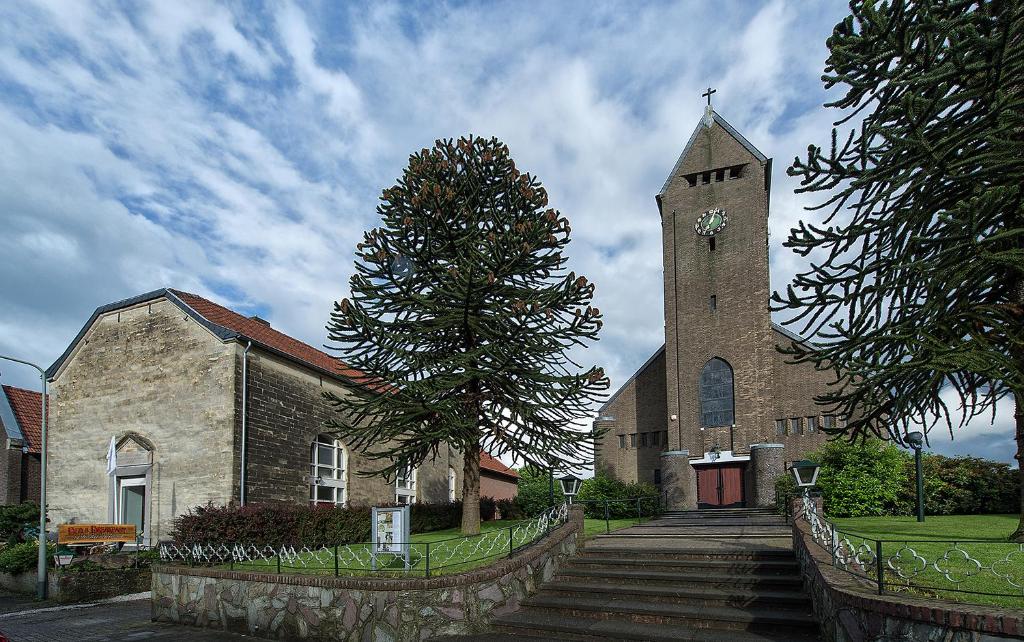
805,472
916,441
715,452
570,485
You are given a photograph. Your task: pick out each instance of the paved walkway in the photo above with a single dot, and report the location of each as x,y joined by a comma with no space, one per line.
22,619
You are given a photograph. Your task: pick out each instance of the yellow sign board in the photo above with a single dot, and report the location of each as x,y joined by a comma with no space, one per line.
95,533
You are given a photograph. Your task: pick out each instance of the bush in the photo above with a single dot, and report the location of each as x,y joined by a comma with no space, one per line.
301,525
533,497
19,558
15,518
961,486
439,517
511,508
488,508
620,496
878,478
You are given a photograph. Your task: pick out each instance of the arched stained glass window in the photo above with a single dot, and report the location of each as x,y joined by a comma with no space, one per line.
716,394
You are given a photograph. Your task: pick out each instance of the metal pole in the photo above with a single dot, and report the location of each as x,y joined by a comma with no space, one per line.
41,562
607,524
551,486
427,573
920,485
245,423
878,564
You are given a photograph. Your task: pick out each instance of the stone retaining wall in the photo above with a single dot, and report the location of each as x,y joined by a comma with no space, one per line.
316,607
850,609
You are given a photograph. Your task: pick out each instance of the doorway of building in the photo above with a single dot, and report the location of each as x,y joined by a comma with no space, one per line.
720,485
131,502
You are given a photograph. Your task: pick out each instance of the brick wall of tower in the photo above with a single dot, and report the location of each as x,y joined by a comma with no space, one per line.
639,408
736,273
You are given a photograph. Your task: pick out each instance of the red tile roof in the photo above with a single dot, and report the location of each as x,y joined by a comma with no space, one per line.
487,462
261,332
28,410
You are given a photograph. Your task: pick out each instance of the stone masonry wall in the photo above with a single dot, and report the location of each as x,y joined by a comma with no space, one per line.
850,611
286,411
154,371
306,607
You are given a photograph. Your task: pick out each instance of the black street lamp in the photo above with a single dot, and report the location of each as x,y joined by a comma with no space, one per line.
916,441
806,473
570,485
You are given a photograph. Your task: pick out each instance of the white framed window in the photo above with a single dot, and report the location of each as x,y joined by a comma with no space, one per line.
328,468
405,487
451,484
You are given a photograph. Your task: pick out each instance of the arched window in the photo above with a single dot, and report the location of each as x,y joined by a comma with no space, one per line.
328,463
717,407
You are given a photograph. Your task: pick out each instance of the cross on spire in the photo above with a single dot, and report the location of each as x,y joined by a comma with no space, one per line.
707,94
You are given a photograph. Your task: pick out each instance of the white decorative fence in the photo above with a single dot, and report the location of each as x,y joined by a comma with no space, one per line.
935,567
425,557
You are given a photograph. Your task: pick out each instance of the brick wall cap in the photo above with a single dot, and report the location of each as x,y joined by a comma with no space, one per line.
753,446
676,453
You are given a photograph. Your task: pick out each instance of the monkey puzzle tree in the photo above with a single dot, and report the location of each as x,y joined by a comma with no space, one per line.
460,322
915,292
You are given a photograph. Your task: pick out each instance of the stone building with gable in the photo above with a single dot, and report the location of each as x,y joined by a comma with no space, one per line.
715,415
205,405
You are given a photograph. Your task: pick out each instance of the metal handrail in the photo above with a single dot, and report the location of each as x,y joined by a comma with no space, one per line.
910,568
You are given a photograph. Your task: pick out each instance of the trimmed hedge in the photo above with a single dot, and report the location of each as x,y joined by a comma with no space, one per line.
878,478
302,524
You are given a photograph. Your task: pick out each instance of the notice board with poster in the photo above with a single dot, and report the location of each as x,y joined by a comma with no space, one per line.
390,533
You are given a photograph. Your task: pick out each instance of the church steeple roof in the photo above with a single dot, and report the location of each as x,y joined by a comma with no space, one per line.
710,117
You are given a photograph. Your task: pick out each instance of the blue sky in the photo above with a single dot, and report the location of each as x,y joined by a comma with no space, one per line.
237,150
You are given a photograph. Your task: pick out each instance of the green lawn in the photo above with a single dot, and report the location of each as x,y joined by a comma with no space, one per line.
449,551
944,540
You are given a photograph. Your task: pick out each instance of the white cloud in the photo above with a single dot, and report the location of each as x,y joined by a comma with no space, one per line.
230,150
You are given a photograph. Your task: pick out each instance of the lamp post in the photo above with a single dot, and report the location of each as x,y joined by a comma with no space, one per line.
570,485
806,474
41,562
916,441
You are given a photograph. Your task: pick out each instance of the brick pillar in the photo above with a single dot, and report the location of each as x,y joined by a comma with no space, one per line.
678,480
767,464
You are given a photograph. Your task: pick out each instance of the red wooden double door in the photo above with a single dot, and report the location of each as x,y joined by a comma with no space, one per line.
720,485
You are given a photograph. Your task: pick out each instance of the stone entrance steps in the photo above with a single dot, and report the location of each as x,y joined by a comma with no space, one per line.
691,578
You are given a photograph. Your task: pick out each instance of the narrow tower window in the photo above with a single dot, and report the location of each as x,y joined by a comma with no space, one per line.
711,244
713,303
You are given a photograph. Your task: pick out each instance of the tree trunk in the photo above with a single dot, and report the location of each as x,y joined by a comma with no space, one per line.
1018,416
471,491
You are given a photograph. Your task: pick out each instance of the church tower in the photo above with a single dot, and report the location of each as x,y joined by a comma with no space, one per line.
719,349
712,417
